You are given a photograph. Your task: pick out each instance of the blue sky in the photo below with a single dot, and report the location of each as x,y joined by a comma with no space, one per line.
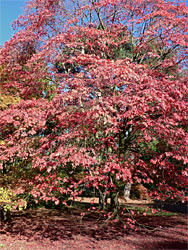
9,11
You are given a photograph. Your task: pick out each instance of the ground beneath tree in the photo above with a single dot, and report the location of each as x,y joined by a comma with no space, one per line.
59,229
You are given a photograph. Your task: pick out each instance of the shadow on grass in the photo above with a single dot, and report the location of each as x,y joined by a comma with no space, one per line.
54,225
170,245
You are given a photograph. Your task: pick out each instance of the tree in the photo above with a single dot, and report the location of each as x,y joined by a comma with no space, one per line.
103,98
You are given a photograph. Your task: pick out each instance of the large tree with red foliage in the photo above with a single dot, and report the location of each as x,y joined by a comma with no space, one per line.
103,98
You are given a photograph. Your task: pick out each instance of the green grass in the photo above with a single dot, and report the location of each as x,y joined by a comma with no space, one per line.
159,212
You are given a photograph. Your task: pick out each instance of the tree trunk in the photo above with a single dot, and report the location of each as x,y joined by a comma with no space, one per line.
114,203
127,190
102,200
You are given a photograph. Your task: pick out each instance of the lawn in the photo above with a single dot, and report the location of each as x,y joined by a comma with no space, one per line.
48,229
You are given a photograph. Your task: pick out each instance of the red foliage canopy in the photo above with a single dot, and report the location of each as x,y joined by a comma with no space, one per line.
103,97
